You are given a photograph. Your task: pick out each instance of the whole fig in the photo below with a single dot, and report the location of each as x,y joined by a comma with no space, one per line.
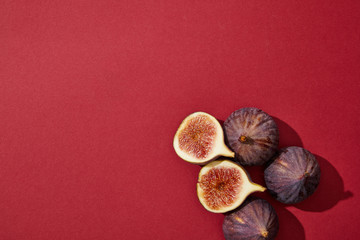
252,134
255,219
293,175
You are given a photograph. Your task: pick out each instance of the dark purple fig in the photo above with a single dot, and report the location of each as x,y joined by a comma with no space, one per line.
253,135
293,175
255,219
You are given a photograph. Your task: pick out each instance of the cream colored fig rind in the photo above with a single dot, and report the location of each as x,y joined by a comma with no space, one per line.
247,187
219,148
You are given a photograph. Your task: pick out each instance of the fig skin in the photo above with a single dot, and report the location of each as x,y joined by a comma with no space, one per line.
254,219
253,135
293,175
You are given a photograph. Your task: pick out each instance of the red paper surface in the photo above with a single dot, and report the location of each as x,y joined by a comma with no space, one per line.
92,92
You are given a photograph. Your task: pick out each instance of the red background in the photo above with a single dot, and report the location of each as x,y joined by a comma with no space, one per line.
92,92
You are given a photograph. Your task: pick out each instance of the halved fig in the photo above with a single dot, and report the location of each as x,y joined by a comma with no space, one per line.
200,139
293,175
223,185
253,135
255,219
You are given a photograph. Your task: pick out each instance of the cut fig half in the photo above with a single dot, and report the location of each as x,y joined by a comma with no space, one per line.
200,139
224,185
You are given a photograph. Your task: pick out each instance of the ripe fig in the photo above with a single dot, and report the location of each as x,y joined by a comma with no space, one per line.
255,219
293,175
200,139
253,135
223,185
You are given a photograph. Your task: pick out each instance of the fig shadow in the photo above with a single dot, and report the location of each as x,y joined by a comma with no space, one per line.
287,135
329,192
290,226
221,122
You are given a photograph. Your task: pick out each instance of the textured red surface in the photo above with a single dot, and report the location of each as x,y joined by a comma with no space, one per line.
92,92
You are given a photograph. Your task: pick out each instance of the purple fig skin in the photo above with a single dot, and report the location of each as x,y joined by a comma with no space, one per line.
293,175
255,219
253,135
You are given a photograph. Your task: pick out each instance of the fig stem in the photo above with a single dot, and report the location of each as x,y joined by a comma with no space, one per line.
227,152
245,139
258,187
305,175
264,233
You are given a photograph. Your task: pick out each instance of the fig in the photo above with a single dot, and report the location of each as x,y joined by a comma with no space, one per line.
223,185
293,175
200,139
255,219
253,135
